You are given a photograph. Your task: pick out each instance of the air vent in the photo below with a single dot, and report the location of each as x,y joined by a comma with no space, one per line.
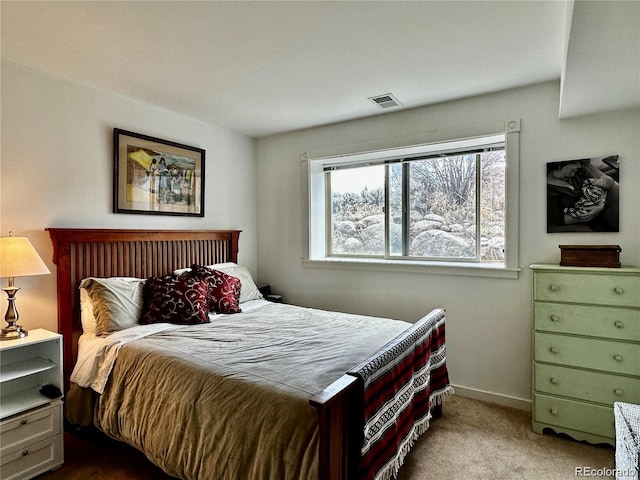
385,101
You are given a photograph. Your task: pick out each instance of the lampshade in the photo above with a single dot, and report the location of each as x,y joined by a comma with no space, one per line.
18,258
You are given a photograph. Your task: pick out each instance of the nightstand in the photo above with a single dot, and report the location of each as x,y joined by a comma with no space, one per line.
31,430
272,297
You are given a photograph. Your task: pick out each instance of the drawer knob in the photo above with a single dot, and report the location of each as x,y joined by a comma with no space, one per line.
554,380
25,453
554,350
618,324
617,357
618,391
24,421
555,318
554,288
553,411
619,290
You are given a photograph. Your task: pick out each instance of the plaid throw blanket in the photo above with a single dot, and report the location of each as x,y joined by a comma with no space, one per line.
401,381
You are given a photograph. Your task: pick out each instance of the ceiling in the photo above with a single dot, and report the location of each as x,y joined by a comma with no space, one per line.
262,67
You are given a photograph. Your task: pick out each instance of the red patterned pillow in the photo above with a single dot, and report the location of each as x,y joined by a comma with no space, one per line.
174,300
223,294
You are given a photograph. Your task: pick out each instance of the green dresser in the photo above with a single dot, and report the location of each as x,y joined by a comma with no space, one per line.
586,348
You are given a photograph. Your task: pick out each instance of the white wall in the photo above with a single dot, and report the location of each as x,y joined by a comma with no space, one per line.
489,320
57,170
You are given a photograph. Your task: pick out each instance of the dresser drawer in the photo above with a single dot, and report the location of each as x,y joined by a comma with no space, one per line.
610,289
585,385
584,417
608,322
28,428
32,460
604,355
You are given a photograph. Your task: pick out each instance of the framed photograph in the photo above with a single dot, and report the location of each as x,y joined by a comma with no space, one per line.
157,177
583,195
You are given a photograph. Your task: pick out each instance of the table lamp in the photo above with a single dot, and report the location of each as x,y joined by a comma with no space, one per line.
18,258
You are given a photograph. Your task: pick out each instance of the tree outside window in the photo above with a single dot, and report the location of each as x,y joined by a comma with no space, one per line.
449,206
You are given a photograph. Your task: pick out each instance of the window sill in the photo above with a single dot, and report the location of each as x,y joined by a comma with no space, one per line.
409,266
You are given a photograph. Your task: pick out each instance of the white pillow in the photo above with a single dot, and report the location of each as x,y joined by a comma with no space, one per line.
248,288
116,302
219,266
181,271
86,313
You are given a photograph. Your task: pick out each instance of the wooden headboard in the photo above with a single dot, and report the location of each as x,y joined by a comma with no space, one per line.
79,253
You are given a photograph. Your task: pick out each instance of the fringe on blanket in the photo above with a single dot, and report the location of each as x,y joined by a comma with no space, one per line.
438,396
390,470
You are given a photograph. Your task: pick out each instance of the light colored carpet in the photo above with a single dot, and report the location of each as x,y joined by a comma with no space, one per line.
472,441
478,440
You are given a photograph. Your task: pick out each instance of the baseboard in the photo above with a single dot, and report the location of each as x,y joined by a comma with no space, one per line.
491,397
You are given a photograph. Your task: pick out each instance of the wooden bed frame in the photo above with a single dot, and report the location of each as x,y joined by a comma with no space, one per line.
80,253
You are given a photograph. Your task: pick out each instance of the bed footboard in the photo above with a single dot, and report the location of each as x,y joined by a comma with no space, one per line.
336,406
345,407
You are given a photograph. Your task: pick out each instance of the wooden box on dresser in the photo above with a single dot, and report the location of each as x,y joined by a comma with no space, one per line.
31,428
586,348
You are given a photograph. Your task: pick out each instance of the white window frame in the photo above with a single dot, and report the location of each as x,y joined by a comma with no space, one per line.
315,232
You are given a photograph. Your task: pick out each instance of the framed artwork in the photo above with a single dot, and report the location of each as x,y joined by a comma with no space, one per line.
583,195
157,177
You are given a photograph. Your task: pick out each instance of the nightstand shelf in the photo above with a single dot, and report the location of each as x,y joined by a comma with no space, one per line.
24,368
22,401
31,431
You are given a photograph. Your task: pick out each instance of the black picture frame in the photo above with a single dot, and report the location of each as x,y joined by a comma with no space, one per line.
153,176
583,195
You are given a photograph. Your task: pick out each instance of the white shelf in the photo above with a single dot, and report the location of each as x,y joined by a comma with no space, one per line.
20,401
31,423
37,335
24,368
26,364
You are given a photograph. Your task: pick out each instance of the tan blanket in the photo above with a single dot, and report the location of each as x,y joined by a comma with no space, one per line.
229,400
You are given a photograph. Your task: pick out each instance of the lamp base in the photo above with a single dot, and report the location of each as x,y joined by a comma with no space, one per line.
13,332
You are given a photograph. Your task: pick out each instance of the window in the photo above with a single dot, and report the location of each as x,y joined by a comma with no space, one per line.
433,205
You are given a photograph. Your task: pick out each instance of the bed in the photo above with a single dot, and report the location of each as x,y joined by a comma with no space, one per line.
271,392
